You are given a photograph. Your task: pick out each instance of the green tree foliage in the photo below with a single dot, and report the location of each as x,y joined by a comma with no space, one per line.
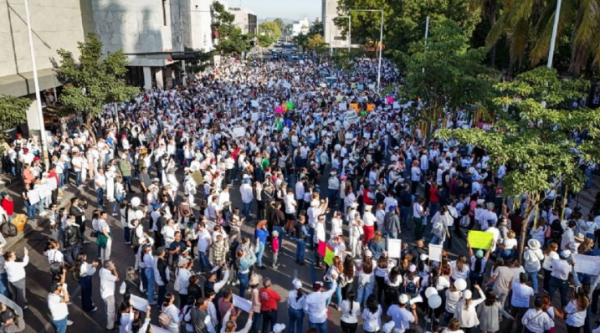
315,29
13,111
92,82
404,21
200,63
316,43
535,142
268,33
231,38
280,24
528,25
446,73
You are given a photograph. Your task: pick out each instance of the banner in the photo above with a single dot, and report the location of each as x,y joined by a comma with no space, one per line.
587,264
290,105
389,100
480,239
351,117
343,107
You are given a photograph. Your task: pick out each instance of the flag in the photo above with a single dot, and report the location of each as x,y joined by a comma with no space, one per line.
326,252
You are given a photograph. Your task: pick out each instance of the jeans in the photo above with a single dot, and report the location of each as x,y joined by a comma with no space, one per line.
300,250
269,319
246,210
562,286
404,214
4,285
86,293
61,325
364,291
204,262
296,320
436,240
534,280
256,320
433,208
162,291
100,197
78,178
149,271
71,254
320,327
244,281
30,210
259,255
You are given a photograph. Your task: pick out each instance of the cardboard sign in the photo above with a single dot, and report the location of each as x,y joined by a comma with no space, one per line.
370,107
587,264
239,131
351,117
435,252
394,248
290,105
343,107
480,239
354,106
242,303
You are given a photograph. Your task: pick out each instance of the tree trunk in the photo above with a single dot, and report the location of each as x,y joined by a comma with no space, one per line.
530,210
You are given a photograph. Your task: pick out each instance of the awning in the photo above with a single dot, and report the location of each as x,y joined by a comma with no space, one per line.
22,84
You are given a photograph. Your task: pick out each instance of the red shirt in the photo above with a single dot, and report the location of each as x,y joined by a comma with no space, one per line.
268,299
9,206
433,196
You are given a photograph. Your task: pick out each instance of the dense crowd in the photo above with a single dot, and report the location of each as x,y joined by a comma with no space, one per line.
275,134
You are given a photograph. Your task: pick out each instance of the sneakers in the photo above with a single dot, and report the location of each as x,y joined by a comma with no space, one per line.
69,323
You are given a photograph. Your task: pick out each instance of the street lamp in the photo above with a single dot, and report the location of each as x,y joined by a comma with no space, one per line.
349,30
380,40
36,84
554,31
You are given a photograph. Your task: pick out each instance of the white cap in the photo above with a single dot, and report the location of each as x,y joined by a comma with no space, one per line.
297,284
403,299
423,257
467,294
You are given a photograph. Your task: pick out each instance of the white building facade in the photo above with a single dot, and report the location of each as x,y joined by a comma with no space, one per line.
332,34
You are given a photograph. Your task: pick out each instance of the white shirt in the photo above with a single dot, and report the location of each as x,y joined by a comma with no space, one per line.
521,293
290,207
401,317
15,270
350,316
315,305
575,317
55,256
203,240
560,269
537,321
246,192
299,190
58,308
107,283
372,321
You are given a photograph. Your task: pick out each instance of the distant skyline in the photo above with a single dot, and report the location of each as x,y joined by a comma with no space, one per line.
290,9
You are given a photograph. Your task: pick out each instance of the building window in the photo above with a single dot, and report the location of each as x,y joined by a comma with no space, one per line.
164,10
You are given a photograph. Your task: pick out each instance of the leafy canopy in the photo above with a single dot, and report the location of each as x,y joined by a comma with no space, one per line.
535,142
13,111
92,82
231,38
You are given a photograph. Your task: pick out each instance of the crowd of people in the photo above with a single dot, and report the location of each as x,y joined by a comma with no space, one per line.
207,183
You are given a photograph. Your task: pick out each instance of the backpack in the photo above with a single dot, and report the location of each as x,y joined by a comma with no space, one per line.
556,230
135,240
411,288
8,229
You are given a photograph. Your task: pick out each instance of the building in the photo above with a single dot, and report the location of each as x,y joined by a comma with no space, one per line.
55,25
197,25
332,33
300,27
244,19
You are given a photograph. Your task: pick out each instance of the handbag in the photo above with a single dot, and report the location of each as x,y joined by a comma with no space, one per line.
102,240
94,233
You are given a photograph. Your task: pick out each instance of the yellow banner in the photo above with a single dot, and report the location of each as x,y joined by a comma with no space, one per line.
480,239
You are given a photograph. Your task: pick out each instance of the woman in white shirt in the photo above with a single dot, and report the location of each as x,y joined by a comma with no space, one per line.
371,315
15,272
54,254
576,311
465,309
182,281
169,308
533,257
126,318
366,277
509,245
350,313
295,302
453,295
549,255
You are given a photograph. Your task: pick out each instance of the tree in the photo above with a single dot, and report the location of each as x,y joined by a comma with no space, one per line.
535,142
280,24
92,83
447,73
198,64
268,33
231,38
316,43
13,111
528,25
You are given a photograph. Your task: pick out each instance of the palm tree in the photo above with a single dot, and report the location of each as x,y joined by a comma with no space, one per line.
528,26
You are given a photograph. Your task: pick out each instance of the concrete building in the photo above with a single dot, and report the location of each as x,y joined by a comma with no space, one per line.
300,27
244,19
197,21
55,25
332,34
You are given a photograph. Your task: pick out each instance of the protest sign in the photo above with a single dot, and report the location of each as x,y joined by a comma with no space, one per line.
396,105
254,103
339,98
254,116
237,132
435,252
360,86
284,107
370,107
34,196
354,106
287,85
11,305
351,117
139,303
343,107
587,264
328,258
290,105
480,239
297,78
242,303
394,248
291,70
389,100
278,109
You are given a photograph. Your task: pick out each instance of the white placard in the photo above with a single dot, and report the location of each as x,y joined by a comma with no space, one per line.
11,305
343,106
254,103
272,66
587,264
297,78
239,131
52,185
34,196
351,117
292,70
394,247
242,303
396,105
254,117
139,303
156,329
435,252
287,85
372,86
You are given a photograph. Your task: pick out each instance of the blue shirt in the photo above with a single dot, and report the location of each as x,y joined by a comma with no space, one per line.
262,234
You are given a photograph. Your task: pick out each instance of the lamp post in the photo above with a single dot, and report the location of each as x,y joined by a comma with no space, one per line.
36,83
380,40
554,31
349,30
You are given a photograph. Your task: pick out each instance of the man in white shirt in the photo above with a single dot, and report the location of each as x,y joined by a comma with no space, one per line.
204,242
315,306
247,197
290,205
559,277
105,230
108,277
57,304
100,181
77,163
15,272
521,296
537,320
401,316
300,191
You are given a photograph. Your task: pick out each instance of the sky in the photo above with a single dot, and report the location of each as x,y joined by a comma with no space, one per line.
290,9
